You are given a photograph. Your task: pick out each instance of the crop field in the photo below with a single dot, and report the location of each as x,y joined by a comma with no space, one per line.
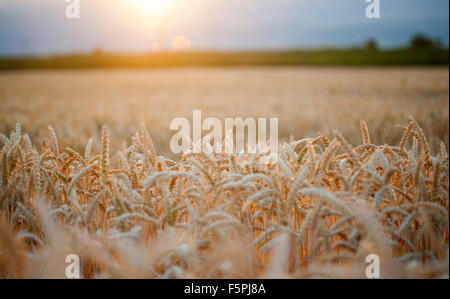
362,169
306,100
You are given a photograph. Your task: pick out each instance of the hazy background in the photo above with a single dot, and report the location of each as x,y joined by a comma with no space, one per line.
381,82
40,26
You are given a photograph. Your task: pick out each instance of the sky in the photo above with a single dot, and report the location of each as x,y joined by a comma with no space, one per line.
40,27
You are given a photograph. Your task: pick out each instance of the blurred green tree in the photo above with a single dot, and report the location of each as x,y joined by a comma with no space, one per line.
420,41
372,45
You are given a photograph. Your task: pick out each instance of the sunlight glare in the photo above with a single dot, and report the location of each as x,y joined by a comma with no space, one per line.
153,7
180,43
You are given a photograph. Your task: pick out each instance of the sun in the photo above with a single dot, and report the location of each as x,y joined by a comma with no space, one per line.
153,7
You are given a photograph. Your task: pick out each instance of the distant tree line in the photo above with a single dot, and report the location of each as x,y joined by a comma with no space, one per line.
418,42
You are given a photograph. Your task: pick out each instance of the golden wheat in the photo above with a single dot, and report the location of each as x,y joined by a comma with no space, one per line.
312,213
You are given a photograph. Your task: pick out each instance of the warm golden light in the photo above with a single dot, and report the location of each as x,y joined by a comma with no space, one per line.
180,42
153,7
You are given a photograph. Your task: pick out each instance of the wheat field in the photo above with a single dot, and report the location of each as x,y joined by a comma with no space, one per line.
81,173
77,103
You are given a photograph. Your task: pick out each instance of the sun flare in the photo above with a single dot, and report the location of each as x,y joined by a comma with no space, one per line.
152,7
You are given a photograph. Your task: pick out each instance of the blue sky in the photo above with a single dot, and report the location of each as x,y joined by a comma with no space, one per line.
40,26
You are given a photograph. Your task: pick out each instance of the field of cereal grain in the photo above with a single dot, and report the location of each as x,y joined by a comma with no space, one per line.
306,100
362,169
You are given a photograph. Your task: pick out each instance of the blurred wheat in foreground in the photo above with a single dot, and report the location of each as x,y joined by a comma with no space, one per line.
316,212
